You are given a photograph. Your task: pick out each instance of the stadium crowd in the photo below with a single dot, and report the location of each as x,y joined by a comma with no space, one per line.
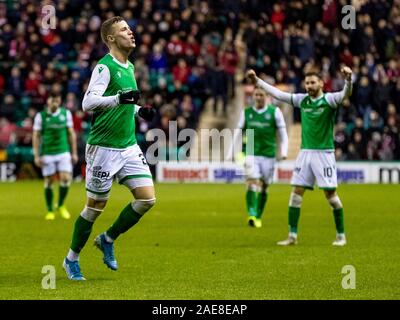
188,51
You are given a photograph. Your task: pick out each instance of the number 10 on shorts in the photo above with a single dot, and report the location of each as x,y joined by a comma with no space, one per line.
328,172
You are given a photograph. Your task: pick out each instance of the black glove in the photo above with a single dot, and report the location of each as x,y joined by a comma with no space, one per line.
129,97
147,113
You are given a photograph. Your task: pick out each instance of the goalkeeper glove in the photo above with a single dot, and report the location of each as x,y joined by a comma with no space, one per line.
129,97
147,113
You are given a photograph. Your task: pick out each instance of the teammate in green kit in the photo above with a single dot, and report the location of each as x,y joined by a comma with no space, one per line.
111,149
54,149
266,121
316,160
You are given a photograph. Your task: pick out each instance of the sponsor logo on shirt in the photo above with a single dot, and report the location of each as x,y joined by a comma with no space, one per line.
259,124
314,111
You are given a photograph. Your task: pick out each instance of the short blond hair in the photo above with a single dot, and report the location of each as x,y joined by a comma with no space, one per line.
106,27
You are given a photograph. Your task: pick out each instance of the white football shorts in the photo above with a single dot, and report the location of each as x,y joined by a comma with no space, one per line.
128,165
258,167
315,166
51,164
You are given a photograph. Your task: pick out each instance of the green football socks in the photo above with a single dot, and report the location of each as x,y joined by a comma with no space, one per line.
126,220
63,191
48,192
262,200
339,220
252,203
80,236
294,215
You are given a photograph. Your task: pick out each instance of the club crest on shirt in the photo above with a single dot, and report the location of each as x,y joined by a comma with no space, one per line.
96,183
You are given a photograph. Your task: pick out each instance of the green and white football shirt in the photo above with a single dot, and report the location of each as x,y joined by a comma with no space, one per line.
265,122
54,130
113,125
317,122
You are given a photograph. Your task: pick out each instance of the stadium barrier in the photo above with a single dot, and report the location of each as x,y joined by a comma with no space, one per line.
228,172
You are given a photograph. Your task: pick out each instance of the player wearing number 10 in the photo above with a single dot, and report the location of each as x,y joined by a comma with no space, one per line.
316,160
111,149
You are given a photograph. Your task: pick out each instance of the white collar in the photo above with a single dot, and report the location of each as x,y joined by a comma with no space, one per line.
315,99
259,111
124,65
53,114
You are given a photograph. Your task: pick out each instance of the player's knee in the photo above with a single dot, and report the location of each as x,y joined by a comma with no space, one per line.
98,197
91,214
48,182
264,187
295,200
253,186
65,182
335,202
141,206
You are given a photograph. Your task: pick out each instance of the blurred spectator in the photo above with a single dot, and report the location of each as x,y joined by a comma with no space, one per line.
7,132
219,88
352,154
15,82
73,85
229,61
374,145
341,138
181,71
187,112
8,108
158,59
32,83
382,95
374,122
364,98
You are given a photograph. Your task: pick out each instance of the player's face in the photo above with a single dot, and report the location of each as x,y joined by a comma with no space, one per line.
123,36
313,85
259,97
53,103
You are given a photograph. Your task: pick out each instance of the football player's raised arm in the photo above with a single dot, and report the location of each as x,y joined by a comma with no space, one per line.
283,137
93,99
274,92
336,98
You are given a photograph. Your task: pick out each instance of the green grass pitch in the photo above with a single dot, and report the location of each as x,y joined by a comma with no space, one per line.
195,244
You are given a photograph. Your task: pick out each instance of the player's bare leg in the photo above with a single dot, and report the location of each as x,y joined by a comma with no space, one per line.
337,207
48,192
296,198
65,182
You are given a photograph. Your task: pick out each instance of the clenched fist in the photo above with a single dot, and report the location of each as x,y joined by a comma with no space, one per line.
346,72
251,76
